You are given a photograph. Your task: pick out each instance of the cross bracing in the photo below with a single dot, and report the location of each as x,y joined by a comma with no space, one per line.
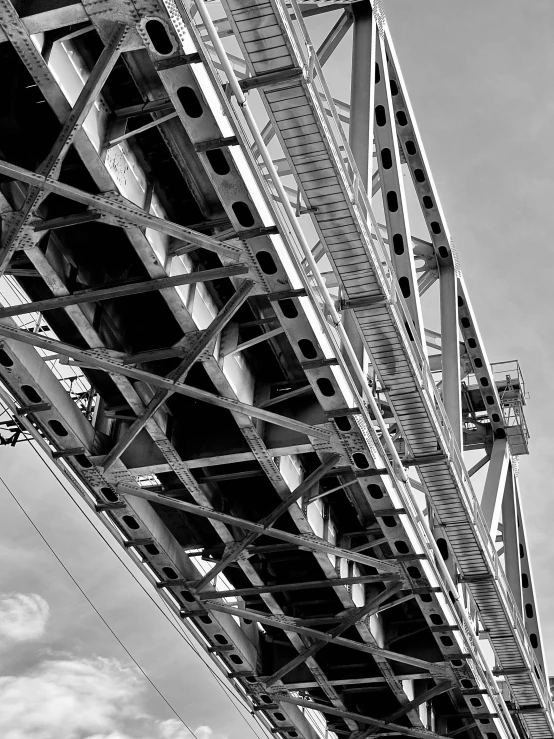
195,239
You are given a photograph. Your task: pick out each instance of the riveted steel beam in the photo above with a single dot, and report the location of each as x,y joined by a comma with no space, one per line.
289,587
357,614
312,542
269,520
92,359
324,708
289,624
50,166
126,211
182,370
94,295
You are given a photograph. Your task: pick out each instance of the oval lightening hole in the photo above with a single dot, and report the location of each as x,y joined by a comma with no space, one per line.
456,663
279,716
524,580
131,523
435,227
153,551
185,595
472,343
386,158
31,393
83,460
360,460
495,417
443,252
466,323
266,261
389,521
375,491
491,735
326,387
343,423
307,348
58,428
205,619
288,308
534,640
401,118
490,400
436,619
190,102
447,641
404,283
460,302
465,683
414,572
426,598
5,359
392,201
418,174
157,33
398,244
402,547
170,573
529,610
484,382
110,495
266,698
443,547
236,659
484,720
380,116
393,87
475,702
499,434
410,147
427,202
218,161
409,330
478,362
377,74
521,551
243,214
220,639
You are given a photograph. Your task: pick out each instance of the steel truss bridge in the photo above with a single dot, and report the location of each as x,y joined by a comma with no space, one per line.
212,323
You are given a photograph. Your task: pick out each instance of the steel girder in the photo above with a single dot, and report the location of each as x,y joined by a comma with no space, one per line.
290,333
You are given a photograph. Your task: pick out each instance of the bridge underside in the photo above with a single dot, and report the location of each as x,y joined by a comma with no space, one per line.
242,392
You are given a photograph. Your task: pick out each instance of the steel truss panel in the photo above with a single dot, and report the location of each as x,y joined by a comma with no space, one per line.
305,139
398,359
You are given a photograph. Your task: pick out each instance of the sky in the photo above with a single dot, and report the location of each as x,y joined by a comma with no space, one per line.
478,75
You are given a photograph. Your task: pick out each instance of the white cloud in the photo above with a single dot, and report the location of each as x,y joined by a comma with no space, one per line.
23,617
82,699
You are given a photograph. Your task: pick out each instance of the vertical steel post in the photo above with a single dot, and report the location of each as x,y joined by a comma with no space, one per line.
511,538
450,349
362,87
493,493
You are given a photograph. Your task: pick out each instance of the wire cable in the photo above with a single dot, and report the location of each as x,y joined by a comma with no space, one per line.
168,615
106,624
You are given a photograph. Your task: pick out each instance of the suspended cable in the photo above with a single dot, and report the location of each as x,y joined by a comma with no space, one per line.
106,624
168,615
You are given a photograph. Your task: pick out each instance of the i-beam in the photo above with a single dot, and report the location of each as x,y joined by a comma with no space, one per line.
312,542
297,494
87,359
95,295
181,371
